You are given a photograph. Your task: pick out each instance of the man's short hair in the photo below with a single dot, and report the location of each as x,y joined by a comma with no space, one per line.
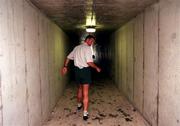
89,37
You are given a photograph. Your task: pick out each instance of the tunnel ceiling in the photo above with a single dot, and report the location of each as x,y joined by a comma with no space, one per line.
110,14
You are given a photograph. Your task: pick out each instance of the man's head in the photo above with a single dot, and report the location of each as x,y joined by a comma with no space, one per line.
90,39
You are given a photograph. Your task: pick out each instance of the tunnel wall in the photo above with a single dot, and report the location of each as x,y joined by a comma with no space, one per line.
147,62
32,49
169,60
138,69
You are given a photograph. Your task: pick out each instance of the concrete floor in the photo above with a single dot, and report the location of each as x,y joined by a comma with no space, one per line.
107,108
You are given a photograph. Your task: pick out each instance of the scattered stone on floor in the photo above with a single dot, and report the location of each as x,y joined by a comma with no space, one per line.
107,107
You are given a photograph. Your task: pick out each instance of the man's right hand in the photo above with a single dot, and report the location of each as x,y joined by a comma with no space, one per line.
64,71
98,69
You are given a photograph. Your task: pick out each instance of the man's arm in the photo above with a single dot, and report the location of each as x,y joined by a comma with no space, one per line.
64,69
66,62
91,64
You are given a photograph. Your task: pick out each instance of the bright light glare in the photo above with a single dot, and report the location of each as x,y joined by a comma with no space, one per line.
91,21
90,30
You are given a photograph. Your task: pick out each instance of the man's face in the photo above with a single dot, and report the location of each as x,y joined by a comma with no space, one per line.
90,41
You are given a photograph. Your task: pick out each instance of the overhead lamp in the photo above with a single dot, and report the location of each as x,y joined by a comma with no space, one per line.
90,29
91,18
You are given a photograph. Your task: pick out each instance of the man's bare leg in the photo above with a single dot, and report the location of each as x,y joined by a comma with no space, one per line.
80,96
85,100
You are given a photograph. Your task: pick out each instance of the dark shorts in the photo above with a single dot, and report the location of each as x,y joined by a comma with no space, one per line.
83,76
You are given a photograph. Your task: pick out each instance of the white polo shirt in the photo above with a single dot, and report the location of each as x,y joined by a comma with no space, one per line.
81,54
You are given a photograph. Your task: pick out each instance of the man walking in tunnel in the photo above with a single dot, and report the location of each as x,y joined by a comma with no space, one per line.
83,60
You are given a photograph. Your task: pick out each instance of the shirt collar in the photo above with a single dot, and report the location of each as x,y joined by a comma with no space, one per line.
85,44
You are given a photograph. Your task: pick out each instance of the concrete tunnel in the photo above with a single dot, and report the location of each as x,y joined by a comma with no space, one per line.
138,49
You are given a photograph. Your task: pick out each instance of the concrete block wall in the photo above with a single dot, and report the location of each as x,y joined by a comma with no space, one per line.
147,62
32,49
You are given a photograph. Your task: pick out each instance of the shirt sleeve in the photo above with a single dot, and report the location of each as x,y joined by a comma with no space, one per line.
71,55
88,55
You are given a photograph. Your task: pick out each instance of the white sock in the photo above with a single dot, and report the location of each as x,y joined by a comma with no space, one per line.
79,104
85,113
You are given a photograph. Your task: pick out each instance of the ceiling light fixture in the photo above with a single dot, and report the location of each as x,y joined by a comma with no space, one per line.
90,29
91,19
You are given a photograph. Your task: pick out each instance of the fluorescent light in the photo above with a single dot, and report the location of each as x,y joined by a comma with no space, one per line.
91,20
89,29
